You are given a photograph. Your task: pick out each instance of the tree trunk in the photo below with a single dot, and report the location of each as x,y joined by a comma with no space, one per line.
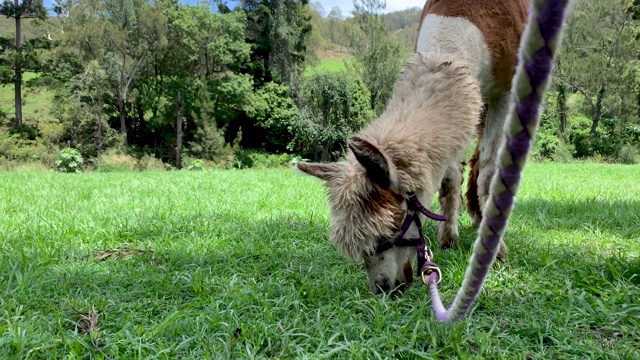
18,69
123,123
179,133
140,114
598,111
562,108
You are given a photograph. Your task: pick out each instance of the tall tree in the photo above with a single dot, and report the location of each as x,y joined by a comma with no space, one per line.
597,48
27,9
277,31
121,35
378,52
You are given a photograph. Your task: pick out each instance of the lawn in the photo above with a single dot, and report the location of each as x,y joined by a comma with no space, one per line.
236,264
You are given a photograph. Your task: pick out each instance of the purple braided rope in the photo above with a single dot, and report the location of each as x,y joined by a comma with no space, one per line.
539,45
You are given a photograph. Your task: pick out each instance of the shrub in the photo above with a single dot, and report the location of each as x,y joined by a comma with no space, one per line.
149,163
260,160
628,154
115,161
69,161
334,105
549,146
196,164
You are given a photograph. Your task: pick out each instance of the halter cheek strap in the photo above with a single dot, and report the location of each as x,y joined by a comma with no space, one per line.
424,254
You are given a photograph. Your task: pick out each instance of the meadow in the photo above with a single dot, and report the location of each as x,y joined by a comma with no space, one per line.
236,264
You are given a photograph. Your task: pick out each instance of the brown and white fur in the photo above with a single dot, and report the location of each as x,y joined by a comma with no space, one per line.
456,83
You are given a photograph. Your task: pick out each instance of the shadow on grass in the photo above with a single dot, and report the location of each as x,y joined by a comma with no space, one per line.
542,235
274,257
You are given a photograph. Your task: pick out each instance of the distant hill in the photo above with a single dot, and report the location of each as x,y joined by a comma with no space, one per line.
29,30
399,20
404,23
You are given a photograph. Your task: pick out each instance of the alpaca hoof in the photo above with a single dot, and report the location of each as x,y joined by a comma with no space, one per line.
502,252
452,243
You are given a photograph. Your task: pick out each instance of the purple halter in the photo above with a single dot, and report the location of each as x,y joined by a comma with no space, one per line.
424,254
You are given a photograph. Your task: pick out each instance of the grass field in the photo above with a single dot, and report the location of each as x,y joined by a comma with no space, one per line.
328,64
236,264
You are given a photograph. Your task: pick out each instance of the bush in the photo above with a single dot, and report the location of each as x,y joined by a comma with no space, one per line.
334,105
549,146
628,154
196,164
150,163
115,161
260,160
69,161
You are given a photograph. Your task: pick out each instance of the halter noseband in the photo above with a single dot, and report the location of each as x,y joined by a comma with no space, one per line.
424,254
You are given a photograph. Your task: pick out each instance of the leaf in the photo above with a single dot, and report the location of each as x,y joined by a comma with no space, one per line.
88,322
166,322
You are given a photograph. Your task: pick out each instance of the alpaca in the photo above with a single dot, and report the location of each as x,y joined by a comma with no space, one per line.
455,85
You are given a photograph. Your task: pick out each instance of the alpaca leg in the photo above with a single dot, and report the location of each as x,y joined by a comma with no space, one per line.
450,200
473,202
489,146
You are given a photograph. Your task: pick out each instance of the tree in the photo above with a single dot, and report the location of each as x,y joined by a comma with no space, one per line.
120,35
378,52
334,106
598,47
277,31
28,9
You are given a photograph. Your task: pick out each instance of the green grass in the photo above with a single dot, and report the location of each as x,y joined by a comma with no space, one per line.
328,64
36,101
241,268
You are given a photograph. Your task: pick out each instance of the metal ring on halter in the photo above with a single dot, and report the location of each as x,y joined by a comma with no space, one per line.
428,270
428,255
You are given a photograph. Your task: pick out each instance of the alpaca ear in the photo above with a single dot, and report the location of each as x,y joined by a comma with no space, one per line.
321,171
379,169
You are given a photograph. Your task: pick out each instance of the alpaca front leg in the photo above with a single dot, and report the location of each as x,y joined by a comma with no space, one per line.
449,197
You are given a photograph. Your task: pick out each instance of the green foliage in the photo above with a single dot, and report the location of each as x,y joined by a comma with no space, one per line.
260,160
380,55
69,161
150,163
16,148
195,164
275,111
25,9
117,66
334,105
278,32
116,161
628,154
599,61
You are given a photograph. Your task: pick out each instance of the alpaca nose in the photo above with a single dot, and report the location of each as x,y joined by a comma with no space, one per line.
385,285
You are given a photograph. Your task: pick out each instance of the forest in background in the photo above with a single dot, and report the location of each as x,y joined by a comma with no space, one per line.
152,85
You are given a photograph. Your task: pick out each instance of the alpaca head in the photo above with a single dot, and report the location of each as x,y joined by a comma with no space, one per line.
366,209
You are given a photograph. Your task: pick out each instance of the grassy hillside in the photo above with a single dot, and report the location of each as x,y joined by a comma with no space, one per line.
192,265
37,102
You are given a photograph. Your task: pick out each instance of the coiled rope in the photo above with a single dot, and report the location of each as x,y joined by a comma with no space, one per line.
538,48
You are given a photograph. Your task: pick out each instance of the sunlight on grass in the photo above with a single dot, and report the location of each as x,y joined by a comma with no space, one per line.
237,264
333,64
